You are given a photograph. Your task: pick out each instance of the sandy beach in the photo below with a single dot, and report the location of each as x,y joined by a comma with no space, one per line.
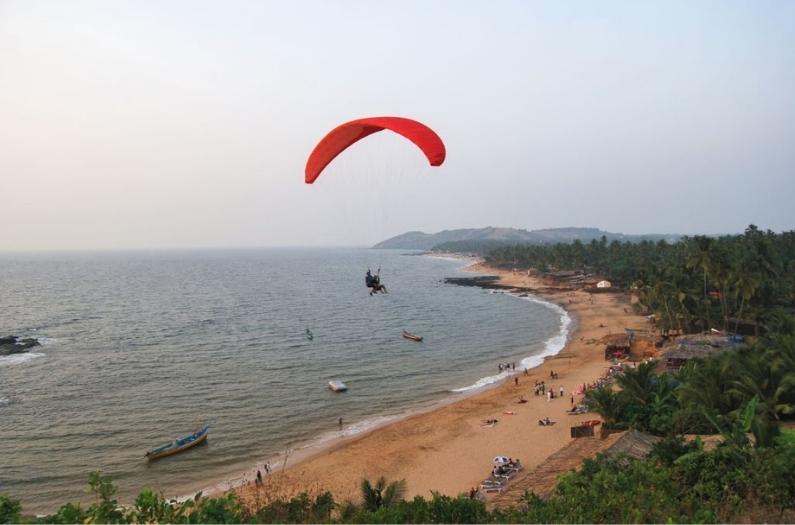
448,449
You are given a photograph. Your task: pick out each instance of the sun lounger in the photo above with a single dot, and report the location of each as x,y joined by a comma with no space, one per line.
496,480
491,488
491,484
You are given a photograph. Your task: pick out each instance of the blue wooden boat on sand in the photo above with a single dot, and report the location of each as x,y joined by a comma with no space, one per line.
179,444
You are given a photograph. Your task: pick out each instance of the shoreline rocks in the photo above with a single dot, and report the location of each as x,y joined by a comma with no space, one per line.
13,344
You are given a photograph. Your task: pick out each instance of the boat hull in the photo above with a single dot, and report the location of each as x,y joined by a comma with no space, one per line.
176,450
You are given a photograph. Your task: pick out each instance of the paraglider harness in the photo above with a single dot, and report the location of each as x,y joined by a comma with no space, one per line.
374,282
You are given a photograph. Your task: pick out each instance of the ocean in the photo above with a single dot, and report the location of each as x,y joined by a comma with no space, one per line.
141,346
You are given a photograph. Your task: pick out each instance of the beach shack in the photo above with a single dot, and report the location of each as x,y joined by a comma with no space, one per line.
617,346
584,429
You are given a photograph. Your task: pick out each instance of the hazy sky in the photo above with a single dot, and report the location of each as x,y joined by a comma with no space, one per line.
160,124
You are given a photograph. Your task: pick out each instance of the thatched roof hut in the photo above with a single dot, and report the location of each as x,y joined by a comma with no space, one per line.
634,444
697,346
617,345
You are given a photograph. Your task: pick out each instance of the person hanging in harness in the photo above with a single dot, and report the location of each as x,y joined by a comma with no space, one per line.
374,282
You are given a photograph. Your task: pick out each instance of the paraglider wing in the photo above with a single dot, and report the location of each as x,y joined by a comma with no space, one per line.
341,137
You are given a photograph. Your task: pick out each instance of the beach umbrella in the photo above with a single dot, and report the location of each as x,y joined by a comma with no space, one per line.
501,460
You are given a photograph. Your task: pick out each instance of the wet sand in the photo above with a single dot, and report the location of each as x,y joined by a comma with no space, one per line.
448,449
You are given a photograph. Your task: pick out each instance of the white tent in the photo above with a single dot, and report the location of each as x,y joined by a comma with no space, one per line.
603,284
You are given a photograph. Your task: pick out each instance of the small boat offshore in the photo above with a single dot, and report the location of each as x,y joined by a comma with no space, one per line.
337,386
413,337
179,444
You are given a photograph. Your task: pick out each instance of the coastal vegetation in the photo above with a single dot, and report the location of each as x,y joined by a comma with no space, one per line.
734,282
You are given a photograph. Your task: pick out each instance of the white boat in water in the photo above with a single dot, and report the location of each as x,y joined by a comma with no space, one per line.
337,386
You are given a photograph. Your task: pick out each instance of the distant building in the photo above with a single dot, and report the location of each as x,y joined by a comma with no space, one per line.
698,347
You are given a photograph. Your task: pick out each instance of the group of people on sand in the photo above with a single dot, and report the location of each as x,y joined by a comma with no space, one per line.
506,366
541,389
506,468
268,470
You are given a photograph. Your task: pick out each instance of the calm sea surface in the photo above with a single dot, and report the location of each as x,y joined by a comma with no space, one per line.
140,347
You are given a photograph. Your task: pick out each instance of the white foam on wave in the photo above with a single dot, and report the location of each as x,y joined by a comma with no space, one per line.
484,381
552,346
18,359
46,341
4,401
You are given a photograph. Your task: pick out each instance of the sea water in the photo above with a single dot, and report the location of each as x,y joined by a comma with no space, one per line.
139,347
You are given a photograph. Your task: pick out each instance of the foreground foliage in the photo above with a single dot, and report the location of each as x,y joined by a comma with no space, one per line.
679,481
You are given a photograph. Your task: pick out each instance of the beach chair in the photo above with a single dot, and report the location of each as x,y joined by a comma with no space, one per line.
491,488
495,480
492,484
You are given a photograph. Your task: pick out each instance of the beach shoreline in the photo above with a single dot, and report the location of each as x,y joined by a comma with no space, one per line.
426,447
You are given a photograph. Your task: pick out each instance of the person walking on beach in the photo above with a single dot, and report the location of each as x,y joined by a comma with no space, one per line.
516,381
561,391
268,469
340,423
259,478
572,401
549,396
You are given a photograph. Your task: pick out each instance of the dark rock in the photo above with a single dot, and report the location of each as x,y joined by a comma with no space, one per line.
14,345
487,282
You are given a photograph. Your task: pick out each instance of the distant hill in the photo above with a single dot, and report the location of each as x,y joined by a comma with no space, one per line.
478,239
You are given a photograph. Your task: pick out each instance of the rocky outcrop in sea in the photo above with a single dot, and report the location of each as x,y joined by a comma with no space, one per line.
13,344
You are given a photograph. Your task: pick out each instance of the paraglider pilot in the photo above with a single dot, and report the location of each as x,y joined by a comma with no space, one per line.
374,282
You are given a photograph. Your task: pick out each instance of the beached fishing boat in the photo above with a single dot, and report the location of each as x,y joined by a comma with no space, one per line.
179,444
337,386
413,337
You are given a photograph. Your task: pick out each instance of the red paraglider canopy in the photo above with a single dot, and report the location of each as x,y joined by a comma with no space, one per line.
341,137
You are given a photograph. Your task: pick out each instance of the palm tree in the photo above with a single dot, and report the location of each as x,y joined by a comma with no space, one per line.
382,494
746,283
701,257
705,388
768,376
608,404
637,383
